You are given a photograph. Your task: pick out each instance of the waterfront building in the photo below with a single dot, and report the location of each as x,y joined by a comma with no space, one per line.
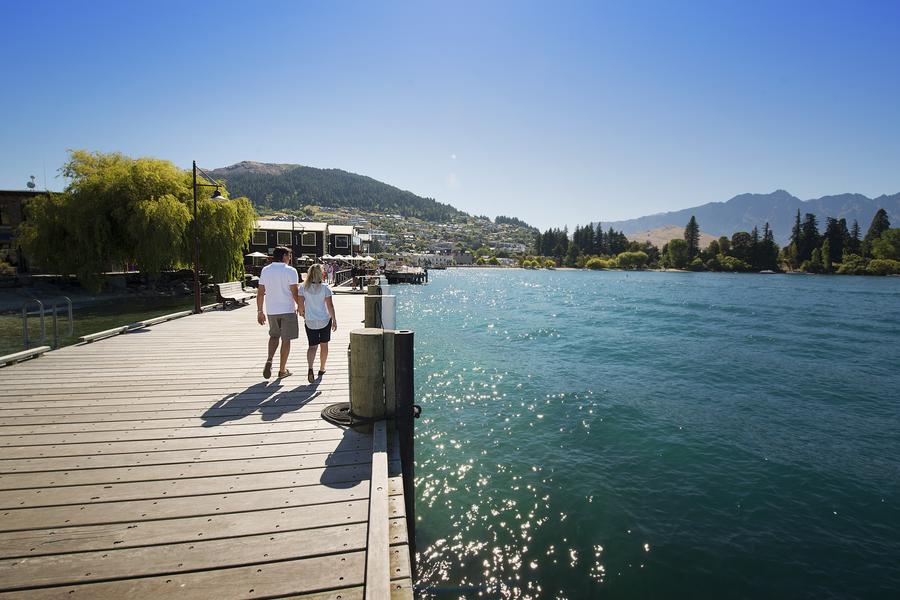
307,240
343,239
12,214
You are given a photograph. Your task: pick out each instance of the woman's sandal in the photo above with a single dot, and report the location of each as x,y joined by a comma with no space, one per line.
285,373
310,377
267,370
321,373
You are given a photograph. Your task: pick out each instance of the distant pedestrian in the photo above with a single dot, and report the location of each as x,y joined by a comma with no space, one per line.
278,284
317,309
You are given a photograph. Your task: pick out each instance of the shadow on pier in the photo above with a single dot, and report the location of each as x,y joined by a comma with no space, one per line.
270,399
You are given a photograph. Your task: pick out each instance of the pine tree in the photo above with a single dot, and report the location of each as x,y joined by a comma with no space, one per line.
826,255
692,237
880,224
809,237
854,237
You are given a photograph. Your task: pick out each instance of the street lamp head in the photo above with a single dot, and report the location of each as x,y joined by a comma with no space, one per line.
217,195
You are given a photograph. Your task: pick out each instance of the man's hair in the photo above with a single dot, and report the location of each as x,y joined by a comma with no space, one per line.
279,254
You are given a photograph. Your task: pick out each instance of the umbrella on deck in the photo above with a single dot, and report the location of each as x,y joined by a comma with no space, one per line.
256,255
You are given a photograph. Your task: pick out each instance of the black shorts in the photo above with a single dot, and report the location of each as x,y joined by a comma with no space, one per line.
318,336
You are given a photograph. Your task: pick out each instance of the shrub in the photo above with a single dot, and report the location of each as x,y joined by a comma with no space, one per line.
853,264
632,260
732,264
883,266
549,263
697,265
6,269
596,263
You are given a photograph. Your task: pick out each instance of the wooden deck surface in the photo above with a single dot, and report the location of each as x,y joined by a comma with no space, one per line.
160,463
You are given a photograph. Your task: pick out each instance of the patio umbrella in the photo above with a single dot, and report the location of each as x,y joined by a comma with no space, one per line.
256,255
368,258
327,257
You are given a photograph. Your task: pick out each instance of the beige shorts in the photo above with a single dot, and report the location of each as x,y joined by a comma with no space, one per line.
284,326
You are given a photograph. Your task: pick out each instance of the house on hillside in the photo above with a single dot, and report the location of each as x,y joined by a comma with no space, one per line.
305,239
343,239
12,214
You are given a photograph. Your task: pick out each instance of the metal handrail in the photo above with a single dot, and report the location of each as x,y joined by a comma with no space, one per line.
25,321
56,326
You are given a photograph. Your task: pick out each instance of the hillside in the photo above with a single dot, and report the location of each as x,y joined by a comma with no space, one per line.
291,187
663,235
779,209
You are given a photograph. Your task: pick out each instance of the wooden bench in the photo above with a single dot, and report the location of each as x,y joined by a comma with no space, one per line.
10,359
232,291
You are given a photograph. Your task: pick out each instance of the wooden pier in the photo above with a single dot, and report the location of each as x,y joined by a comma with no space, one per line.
160,463
406,275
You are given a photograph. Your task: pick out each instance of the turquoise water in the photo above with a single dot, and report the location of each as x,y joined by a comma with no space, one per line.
644,435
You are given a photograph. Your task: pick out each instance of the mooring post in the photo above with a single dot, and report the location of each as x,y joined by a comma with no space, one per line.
390,381
405,421
373,311
367,374
374,289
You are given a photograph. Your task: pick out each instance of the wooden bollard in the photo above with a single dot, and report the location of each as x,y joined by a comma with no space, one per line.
390,381
374,289
373,311
405,422
367,374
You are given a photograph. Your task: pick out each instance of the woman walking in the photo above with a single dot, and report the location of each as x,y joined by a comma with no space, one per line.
317,310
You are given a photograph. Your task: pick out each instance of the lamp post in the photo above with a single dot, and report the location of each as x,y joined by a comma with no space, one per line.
217,195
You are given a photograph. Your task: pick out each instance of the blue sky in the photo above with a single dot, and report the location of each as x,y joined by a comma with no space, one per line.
555,112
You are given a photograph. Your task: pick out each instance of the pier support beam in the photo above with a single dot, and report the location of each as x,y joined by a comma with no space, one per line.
404,385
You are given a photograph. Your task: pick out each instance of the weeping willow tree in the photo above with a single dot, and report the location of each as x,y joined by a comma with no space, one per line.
117,210
225,228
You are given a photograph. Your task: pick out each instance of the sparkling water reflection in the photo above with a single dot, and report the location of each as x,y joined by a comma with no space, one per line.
655,434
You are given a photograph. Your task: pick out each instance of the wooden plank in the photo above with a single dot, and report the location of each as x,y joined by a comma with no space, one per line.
377,550
183,486
129,534
253,581
169,508
190,443
197,555
40,480
317,428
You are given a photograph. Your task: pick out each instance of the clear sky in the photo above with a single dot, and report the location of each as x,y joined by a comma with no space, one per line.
556,112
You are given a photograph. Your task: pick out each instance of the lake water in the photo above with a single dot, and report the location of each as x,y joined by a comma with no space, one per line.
645,435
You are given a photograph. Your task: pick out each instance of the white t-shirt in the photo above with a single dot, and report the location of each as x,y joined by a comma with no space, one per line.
278,278
314,296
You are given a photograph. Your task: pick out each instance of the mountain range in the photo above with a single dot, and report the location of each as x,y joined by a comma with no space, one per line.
292,187
779,209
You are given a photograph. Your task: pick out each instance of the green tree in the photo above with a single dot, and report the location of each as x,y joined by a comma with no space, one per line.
692,237
826,255
742,247
887,247
880,224
880,266
117,209
632,260
678,254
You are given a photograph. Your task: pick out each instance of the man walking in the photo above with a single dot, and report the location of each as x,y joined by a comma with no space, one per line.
278,290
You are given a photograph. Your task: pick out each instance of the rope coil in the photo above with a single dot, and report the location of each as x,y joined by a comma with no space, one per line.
340,414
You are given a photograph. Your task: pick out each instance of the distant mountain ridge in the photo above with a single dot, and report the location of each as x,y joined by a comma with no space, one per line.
778,208
287,186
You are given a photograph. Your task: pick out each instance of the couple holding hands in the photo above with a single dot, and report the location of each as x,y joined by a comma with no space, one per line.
284,298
